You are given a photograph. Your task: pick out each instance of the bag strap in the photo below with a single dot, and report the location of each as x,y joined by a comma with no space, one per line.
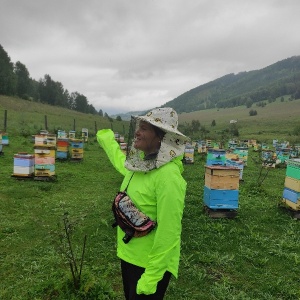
128,182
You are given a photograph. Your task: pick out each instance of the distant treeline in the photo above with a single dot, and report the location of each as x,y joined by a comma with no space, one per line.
15,80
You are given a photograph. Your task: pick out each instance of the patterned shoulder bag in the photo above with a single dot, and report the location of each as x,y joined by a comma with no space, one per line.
131,220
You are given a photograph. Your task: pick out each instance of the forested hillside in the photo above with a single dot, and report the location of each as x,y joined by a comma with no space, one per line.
245,88
15,80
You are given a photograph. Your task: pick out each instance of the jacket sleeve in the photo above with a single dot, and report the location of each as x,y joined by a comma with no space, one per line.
106,139
170,193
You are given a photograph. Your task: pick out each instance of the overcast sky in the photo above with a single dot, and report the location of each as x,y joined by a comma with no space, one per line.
132,55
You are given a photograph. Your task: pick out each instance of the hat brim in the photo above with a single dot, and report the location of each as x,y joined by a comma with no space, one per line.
163,127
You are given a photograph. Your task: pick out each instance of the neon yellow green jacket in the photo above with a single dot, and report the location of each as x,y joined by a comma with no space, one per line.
160,194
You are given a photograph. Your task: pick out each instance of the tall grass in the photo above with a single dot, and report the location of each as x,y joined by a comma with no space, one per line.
277,120
253,256
27,118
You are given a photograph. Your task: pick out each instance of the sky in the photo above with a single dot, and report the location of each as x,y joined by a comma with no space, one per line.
134,55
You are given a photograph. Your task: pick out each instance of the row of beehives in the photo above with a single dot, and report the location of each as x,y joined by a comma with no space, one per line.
270,157
47,148
221,190
204,145
65,147
61,134
274,157
220,157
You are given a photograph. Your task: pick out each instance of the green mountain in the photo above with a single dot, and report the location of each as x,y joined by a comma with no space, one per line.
245,88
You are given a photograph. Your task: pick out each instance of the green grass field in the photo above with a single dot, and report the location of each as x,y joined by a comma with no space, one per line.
253,256
274,121
28,118
256,255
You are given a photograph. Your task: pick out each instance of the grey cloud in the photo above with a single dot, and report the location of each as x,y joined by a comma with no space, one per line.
133,55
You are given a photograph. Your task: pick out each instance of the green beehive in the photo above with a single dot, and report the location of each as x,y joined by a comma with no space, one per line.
293,168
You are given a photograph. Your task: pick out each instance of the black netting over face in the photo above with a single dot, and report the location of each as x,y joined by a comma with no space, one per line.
131,134
171,146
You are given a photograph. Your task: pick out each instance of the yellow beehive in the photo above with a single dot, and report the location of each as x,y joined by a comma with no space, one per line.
77,155
292,183
44,152
76,151
291,204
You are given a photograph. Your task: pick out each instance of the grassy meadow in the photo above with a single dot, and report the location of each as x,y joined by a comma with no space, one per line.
27,118
274,121
255,255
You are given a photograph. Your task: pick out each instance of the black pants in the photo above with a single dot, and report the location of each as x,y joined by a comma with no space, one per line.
131,274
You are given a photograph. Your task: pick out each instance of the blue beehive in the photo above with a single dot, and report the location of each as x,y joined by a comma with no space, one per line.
291,195
221,188
221,199
62,148
62,154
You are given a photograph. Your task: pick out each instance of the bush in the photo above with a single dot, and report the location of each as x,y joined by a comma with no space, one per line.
252,112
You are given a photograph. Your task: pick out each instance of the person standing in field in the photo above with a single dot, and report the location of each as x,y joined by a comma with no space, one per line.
152,171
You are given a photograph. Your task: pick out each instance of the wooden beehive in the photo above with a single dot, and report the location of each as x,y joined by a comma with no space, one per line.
85,134
222,178
23,165
76,149
44,164
72,134
237,164
221,190
189,154
62,149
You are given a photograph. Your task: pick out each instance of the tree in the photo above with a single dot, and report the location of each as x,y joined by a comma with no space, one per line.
24,82
100,112
119,118
80,102
7,76
34,92
46,90
195,125
249,103
53,93
91,109
213,123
